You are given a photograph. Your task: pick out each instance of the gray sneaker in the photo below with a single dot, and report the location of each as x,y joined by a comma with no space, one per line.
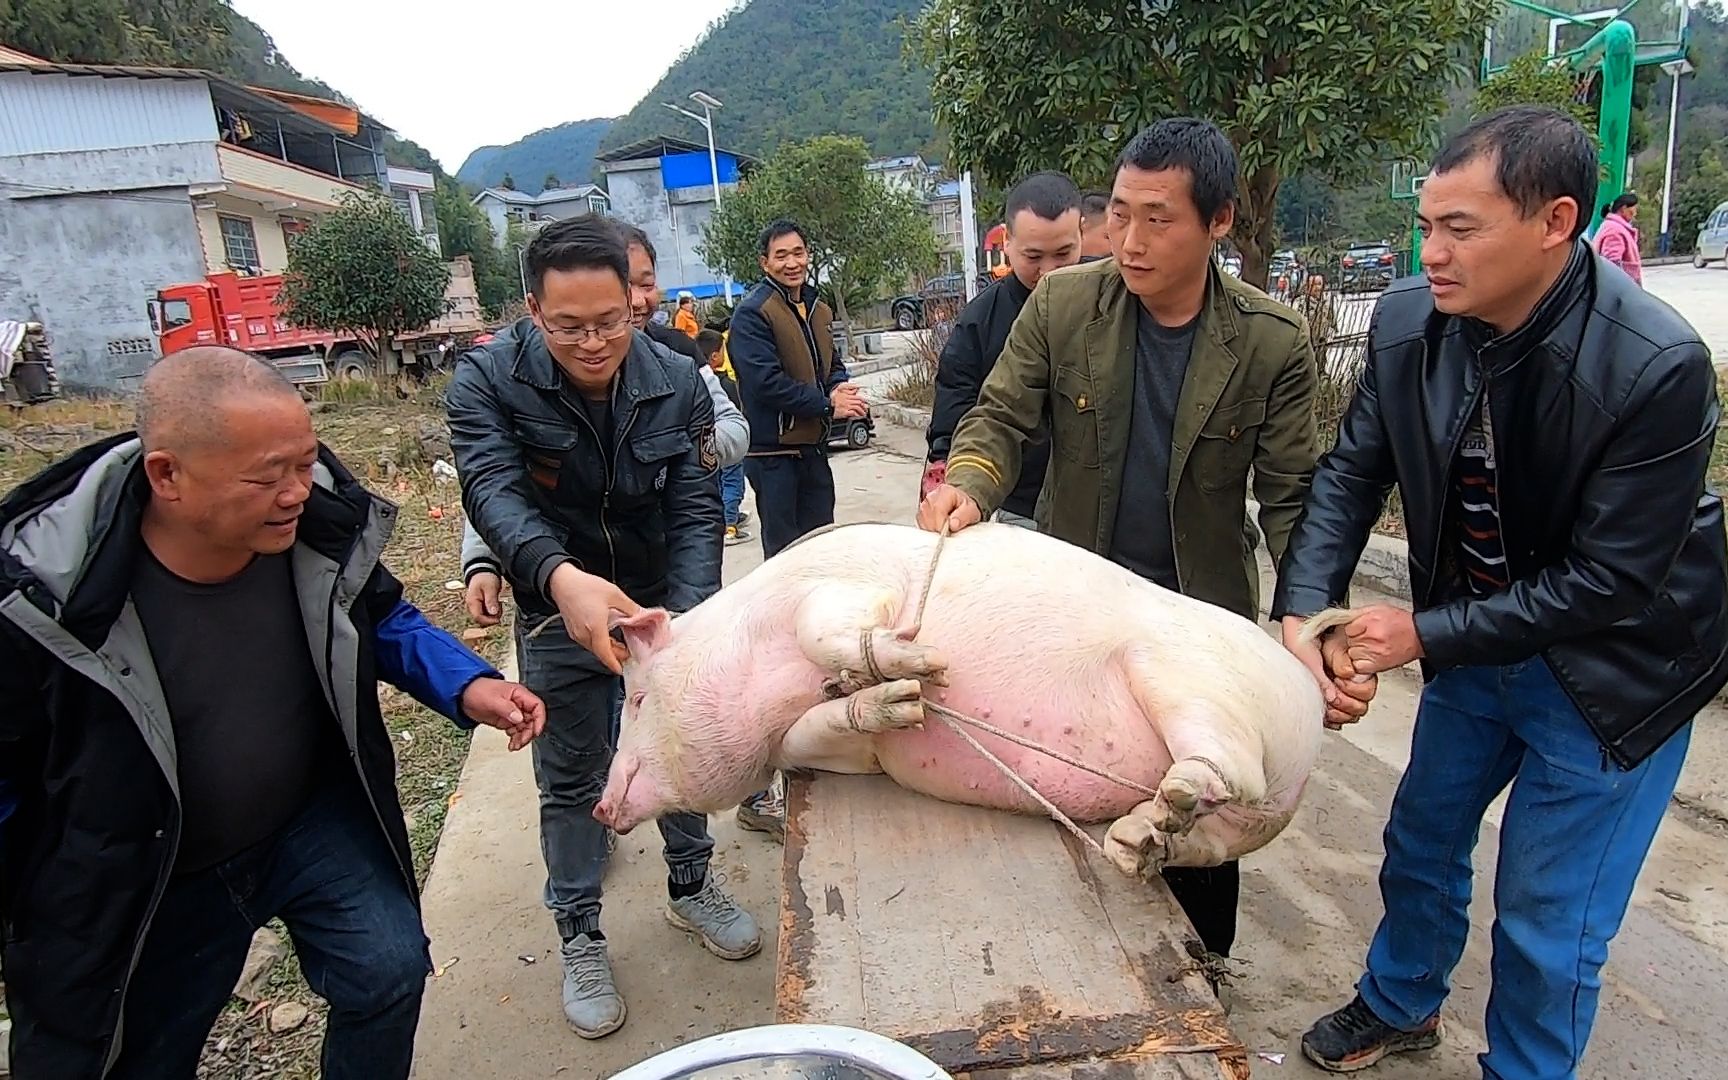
764,814
726,930
591,1001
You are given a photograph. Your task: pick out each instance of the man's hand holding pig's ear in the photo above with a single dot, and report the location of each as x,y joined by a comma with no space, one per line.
482,598
586,604
948,504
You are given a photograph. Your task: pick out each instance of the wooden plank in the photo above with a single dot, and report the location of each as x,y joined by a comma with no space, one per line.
1196,1066
984,940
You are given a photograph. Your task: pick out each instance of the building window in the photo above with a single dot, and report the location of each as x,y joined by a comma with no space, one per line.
291,231
597,204
239,243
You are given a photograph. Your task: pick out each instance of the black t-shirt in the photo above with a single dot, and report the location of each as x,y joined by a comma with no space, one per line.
1142,541
253,733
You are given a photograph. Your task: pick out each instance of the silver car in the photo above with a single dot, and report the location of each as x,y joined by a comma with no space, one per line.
1713,238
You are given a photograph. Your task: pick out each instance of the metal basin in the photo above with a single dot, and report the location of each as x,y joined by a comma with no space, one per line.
789,1052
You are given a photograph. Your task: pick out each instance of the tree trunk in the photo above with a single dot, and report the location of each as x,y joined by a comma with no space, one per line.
1255,220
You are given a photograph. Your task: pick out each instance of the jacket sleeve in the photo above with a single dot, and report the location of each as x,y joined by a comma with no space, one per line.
25,709
761,379
414,656
984,457
1611,245
695,524
497,495
1635,514
731,430
1287,447
476,556
1345,498
959,378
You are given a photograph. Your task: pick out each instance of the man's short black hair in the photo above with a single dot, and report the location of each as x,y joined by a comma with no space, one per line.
1197,146
1540,154
634,235
776,229
1093,203
585,242
1047,194
709,341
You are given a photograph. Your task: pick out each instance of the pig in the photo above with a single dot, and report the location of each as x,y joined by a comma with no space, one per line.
812,661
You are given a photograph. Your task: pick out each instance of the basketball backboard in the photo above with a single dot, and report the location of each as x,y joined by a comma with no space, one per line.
1556,27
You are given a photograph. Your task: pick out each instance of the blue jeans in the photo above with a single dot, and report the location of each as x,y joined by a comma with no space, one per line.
732,491
571,758
331,878
1574,836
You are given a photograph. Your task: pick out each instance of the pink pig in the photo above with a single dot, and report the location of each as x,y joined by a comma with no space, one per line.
1027,633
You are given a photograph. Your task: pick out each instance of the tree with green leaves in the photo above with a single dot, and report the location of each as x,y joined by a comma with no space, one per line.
508,183
1532,79
465,230
1338,86
551,183
363,270
864,236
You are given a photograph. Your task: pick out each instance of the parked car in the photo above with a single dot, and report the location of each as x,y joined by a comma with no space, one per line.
854,434
1713,238
1367,267
908,310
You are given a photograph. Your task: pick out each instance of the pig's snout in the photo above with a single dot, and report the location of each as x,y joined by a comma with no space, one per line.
611,810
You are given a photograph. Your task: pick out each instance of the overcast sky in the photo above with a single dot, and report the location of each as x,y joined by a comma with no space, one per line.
454,78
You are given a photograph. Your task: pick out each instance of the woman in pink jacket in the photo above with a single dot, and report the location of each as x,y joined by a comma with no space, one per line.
1617,238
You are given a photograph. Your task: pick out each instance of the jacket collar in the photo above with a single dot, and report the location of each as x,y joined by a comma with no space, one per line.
1500,353
806,294
638,379
1217,311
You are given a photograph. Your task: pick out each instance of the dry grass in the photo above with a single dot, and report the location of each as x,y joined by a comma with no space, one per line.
915,382
390,442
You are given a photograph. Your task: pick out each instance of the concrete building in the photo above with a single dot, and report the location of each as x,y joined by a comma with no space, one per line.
118,181
665,187
504,207
910,173
943,206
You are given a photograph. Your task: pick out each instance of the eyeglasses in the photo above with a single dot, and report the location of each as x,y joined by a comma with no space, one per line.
575,335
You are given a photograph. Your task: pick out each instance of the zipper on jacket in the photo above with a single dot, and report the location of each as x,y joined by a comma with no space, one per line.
1446,477
606,496
162,879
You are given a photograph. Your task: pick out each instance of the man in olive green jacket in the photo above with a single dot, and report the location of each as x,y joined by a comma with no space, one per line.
1165,383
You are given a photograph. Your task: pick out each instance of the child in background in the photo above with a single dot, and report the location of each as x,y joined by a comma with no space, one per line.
731,476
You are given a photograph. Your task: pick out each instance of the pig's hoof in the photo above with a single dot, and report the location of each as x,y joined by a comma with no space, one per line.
891,706
1134,845
1186,788
888,654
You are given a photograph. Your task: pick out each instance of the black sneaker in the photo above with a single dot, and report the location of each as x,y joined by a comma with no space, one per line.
1353,1038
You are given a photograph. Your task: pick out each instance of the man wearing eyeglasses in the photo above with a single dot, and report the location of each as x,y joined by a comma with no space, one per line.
588,464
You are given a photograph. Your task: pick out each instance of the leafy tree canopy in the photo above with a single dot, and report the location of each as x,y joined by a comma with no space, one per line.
864,236
1335,85
364,270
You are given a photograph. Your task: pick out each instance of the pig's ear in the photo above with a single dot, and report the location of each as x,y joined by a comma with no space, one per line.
646,632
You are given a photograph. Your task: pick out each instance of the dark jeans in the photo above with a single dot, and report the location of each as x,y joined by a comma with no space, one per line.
571,758
732,491
1572,841
794,495
330,877
1208,895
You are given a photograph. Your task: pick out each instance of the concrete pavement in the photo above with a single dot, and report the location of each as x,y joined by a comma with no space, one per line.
1702,297
1310,902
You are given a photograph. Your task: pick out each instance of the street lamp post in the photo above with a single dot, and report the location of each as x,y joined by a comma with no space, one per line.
709,104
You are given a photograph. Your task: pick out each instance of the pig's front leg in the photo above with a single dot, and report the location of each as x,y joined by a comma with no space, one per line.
845,629
836,736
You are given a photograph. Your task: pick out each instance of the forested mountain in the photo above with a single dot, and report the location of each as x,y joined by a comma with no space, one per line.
566,152
793,69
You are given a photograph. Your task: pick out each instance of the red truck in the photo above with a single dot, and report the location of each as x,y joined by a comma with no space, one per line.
241,311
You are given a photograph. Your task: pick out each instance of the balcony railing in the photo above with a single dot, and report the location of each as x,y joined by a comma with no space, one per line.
261,178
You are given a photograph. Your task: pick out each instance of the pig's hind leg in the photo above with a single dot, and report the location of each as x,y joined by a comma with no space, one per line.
1213,761
1139,848
845,629
838,735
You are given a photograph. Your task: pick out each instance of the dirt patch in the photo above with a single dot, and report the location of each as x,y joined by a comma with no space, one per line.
390,441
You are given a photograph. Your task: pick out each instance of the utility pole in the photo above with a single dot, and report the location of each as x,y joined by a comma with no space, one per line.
709,103
968,236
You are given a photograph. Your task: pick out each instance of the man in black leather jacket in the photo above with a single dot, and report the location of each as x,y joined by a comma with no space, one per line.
1548,425
588,463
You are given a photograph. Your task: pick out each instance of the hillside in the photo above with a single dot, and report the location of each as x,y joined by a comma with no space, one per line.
791,69
566,151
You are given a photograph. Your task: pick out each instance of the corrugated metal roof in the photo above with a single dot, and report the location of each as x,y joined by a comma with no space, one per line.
34,66
661,145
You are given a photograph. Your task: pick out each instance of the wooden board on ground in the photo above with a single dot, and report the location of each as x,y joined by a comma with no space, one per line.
998,946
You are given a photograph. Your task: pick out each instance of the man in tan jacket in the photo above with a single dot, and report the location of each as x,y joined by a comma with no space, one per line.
1165,382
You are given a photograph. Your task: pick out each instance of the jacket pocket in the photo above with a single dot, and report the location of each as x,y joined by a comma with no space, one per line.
653,454
1225,448
545,446
1074,417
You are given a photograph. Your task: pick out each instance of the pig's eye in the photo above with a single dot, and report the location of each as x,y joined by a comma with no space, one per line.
636,699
